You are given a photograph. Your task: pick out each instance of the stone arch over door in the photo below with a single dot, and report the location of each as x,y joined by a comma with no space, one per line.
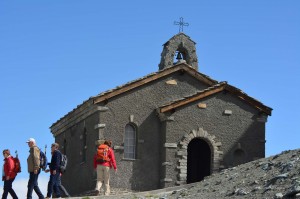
216,153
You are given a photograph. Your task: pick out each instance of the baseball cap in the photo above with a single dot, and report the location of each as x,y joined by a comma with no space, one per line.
30,140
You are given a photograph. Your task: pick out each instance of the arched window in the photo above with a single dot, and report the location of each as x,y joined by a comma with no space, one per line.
130,142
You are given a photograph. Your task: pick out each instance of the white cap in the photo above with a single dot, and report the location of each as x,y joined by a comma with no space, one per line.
30,140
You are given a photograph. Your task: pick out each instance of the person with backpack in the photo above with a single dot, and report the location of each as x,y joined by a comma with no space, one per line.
8,175
53,184
33,164
104,159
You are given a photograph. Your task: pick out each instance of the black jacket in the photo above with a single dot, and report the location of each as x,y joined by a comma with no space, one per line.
55,161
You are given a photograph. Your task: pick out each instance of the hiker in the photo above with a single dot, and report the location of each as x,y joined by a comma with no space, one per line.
62,189
104,159
8,175
54,171
33,164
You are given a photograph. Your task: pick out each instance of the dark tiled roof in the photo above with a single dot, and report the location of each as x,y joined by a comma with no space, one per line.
180,67
194,94
224,86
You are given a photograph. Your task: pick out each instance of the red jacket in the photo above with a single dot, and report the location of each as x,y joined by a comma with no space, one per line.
9,166
111,163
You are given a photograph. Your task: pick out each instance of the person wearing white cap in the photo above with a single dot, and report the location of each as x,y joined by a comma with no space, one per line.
33,163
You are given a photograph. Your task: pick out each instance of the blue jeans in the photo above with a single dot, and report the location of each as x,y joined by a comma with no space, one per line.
33,185
8,189
62,189
53,185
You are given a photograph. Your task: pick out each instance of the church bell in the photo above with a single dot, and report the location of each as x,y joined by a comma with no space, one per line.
179,56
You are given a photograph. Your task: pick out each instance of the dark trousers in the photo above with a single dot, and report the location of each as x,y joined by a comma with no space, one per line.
62,189
33,185
8,189
53,185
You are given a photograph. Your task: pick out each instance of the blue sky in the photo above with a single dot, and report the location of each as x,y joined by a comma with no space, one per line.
56,54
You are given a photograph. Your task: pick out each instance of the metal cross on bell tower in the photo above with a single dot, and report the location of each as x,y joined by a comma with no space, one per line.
181,24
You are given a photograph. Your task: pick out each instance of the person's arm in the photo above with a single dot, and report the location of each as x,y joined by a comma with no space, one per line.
112,159
36,159
10,167
57,160
95,162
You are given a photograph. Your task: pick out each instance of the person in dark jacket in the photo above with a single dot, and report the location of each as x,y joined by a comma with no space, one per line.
8,175
54,171
63,192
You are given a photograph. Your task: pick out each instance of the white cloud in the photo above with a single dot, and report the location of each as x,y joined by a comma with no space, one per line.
20,187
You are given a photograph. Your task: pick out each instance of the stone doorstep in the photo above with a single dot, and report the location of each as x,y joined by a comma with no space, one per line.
144,193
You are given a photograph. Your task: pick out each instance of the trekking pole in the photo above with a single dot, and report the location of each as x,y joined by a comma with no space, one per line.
46,155
16,152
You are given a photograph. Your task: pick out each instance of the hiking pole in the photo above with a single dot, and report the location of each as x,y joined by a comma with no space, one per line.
46,155
16,152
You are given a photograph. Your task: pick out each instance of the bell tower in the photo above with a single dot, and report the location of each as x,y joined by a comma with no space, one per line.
183,47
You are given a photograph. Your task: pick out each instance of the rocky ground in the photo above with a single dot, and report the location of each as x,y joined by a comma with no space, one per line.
269,178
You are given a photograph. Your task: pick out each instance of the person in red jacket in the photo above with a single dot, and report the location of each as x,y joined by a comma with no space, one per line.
104,159
8,175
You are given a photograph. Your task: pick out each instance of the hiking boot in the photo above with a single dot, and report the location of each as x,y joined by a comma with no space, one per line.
97,193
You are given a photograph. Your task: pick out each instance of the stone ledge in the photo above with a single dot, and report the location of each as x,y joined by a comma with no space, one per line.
118,147
166,180
167,164
98,126
102,108
170,145
228,112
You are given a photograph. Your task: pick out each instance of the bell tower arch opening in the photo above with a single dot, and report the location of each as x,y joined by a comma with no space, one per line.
198,160
182,44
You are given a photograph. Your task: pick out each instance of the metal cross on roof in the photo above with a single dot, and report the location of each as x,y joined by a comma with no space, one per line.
181,24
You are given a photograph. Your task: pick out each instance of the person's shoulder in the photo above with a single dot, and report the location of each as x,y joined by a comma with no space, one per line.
57,152
34,148
10,158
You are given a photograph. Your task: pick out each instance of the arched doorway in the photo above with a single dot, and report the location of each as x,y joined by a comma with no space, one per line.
198,160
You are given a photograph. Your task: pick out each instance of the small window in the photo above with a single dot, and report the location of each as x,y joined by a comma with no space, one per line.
130,142
65,146
239,157
84,144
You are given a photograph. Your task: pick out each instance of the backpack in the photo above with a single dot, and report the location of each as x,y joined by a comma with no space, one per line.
17,168
17,164
102,154
63,163
43,160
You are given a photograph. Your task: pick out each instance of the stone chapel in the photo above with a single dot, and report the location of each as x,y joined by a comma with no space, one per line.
171,127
